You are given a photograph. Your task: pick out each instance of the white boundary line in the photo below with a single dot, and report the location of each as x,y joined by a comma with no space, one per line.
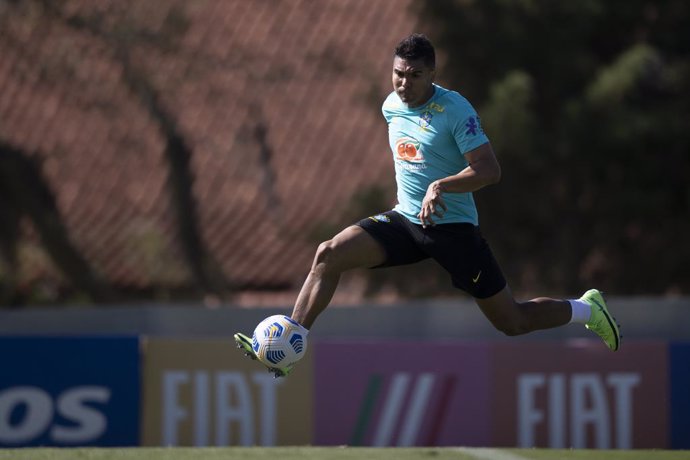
486,453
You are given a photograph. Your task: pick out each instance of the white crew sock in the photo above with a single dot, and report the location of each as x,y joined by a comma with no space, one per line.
581,311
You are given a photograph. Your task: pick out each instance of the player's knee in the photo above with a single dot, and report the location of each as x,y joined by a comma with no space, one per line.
326,255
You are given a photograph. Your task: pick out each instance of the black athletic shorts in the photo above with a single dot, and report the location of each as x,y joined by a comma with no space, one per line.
459,248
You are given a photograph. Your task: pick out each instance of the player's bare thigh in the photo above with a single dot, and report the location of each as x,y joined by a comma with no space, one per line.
351,248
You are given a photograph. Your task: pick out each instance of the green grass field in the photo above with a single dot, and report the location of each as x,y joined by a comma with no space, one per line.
346,453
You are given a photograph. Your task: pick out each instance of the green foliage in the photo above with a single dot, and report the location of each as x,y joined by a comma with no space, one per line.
587,106
509,111
365,202
622,77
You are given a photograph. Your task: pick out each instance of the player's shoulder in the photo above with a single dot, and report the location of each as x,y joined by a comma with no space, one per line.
392,102
453,100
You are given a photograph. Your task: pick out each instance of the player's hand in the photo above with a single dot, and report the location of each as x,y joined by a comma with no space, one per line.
432,205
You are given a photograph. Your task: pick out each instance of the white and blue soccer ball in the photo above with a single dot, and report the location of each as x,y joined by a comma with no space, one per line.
279,341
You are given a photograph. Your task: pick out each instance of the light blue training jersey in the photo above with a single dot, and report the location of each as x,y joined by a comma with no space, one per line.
429,143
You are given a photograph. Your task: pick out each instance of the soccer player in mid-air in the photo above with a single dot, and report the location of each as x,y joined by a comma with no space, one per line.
441,156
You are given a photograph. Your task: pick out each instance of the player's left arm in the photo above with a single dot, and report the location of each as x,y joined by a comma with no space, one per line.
483,170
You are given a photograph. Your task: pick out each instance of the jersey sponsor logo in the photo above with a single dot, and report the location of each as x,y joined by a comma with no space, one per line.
409,149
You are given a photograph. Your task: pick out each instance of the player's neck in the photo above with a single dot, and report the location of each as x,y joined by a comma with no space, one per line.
430,93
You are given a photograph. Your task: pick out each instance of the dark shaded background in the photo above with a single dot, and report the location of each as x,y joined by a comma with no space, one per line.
171,150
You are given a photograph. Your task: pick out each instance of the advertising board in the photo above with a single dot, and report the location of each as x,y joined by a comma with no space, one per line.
401,394
527,394
680,395
69,391
206,393
579,394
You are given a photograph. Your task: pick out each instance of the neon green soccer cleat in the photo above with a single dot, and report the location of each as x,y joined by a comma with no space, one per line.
244,343
601,322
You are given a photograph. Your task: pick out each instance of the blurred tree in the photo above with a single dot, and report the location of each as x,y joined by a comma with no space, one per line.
24,192
587,105
119,33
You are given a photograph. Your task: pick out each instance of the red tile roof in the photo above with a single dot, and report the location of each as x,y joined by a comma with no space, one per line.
279,101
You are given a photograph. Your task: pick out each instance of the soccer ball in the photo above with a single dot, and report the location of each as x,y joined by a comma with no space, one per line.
279,341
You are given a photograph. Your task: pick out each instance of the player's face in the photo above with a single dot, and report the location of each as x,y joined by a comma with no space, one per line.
412,81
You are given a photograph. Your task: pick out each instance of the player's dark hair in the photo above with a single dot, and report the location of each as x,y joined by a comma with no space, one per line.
417,46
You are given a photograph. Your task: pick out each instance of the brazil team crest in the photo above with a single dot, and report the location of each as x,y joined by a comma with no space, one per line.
425,119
